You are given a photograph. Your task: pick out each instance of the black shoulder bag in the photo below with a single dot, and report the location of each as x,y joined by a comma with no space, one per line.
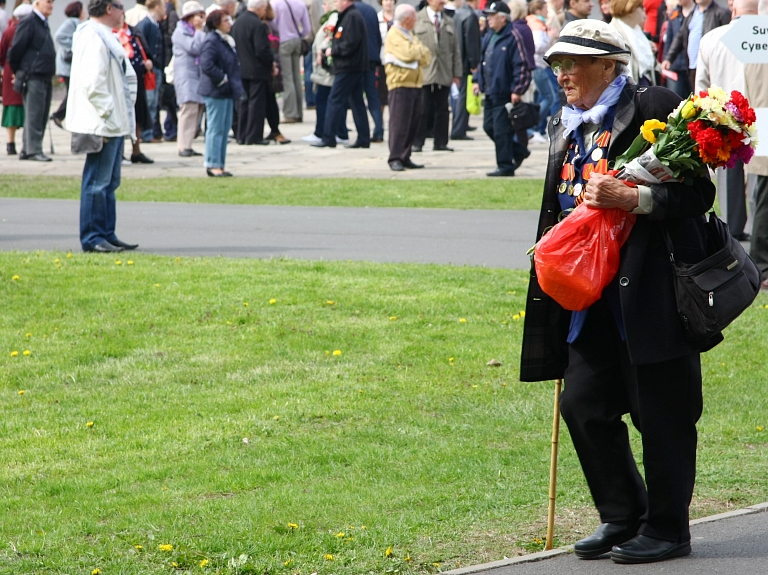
715,291
522,115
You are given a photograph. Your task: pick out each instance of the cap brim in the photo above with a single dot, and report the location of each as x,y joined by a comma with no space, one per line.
570,46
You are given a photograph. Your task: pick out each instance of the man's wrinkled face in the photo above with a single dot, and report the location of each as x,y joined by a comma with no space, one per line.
45,7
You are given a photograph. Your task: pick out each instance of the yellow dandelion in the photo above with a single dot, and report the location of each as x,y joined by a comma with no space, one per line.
55,329
516,317
89,424
759,427
26,352
340,534
292,526
204,563
522,314
15,278
56,261
14,353
29,335
388,552
463,320
276,418
392,318
174,564
245,304
118,262
96,572
229,322
286,563
178,259
130,262
407,558
363,527
69,255
435,564
330,302
22,392
139,547
167,547
511,293
336,352
361,391
327,352
328,557
474,386
273,301
157,285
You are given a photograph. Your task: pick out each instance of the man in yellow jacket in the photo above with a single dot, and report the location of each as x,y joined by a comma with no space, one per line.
404,58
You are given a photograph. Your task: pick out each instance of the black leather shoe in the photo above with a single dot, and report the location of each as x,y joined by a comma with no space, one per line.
415,148
396,166
411,165
497,173
141,159
377,140
11,149
224,174
471,128
742,237
23,155
104,248
643,549
462,138
188,153
38,158
56,120
123,245
603,539
357,144
322,145
263,143
442,149
519,159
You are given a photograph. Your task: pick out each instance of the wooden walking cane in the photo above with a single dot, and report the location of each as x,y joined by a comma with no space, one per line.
553,466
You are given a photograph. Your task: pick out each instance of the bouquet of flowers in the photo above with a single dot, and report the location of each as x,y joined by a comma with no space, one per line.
710,129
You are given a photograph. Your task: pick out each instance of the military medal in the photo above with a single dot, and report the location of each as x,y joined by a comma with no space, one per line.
577,189
562,187
570,190
603,139
597,154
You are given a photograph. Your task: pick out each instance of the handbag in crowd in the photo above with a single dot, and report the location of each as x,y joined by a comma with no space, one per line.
305,47
715,291
21,77
522,115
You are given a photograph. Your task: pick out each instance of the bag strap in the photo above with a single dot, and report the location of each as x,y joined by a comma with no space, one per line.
288,4
670,245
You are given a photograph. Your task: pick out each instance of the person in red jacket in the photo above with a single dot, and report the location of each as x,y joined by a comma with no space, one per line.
13,104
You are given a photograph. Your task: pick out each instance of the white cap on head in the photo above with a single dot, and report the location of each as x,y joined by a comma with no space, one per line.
190,8
589,38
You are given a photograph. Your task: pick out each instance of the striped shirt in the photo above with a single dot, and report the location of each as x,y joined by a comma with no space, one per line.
695,29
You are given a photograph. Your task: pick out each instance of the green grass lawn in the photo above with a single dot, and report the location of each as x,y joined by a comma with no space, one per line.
280,416
490,194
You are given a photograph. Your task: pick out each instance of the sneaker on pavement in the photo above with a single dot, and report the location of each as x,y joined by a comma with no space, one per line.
312,139
342,141
539,139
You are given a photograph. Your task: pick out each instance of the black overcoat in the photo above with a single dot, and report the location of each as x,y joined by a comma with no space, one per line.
653,329
253,48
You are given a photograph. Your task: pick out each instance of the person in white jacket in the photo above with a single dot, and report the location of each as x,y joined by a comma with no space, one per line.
102,93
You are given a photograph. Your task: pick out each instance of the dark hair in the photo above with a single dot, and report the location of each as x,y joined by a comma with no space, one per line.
73,9
213,21
97,8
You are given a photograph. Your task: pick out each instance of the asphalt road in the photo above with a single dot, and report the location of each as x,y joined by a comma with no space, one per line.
491,238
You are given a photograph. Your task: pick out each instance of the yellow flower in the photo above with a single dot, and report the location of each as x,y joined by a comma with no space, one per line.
69,255
174,564
272,301
204,563
292,526
118,263
245,304
139,547
89,424
759,427
56,261
96,572
165,547
340,534
14,278
336,352
648,127
22,392
330,302
276,418
130,262
522,314
286,563
435,564
407,558
688,110
388,552
463,320
392,318
26,352
29,335
157,285
718,93
328,557
516,317
14,353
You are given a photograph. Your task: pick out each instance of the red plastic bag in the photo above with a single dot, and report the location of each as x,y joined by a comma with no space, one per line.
579,257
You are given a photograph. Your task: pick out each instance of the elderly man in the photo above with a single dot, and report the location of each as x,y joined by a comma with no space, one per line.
257,65
404,58
719,66
102,90
577,9
438,33
349,56
33,57
468,30
503,77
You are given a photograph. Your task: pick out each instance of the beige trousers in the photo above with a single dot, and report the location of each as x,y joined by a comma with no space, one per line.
189,119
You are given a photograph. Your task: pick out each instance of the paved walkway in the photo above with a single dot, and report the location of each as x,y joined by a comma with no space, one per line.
734,543
472,159
492,238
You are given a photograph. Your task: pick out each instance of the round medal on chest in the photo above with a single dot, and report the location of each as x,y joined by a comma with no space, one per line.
577,189
562,187
597,154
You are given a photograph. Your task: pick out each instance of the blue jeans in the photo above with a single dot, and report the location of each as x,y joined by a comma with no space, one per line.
101,177
547,95
321,103
374,103
218,112
309,95
556,87
153,103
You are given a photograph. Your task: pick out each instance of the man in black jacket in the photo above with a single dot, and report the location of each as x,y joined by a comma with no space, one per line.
468,31
149,27
704,18
256,65
349,63
33,57
373,36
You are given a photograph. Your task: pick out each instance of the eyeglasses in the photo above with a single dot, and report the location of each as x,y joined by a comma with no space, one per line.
118,6
565,66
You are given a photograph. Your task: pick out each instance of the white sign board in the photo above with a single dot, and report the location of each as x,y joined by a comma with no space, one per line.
748,39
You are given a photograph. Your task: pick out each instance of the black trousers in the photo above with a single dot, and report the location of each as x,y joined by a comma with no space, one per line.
252,112
496,125
736,198
347,91
460,114
404,119
665,402
759,246
434,105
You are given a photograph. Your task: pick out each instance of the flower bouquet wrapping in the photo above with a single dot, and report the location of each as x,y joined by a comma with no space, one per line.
579,257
